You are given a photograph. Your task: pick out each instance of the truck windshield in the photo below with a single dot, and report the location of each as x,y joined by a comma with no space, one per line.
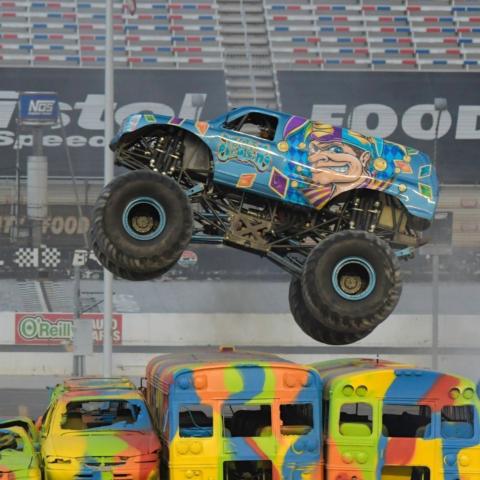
10,441
90,414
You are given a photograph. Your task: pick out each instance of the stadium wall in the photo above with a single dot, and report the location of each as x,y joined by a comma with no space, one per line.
397,105
405,337
81,95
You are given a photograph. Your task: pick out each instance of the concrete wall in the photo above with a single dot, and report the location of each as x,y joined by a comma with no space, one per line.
403,337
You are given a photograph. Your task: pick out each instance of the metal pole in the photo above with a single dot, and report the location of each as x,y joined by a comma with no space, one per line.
435,140
435,308
77,359
108,175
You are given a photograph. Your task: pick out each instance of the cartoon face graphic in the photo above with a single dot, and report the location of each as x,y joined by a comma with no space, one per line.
337,163
336,160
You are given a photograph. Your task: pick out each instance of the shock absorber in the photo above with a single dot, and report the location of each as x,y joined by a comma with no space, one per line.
171,151
357,211
373,213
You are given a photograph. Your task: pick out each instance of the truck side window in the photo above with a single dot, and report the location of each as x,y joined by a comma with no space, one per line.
256,124
457,421
356,420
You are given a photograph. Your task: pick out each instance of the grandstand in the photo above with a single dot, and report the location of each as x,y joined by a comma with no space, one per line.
375,34
249,39
334,34
72,33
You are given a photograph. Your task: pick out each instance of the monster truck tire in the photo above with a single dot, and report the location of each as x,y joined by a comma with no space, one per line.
311,326
141,224
126,274
351,281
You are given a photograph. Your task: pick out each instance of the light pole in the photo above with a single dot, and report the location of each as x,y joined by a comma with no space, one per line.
440,105
108,175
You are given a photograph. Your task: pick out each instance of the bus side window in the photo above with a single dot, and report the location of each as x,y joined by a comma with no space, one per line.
165,423
356,420
457,421
325,415
161,404
296,419
195,421
406,421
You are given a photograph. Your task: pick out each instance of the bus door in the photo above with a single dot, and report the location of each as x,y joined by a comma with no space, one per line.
300,442
461,444
408,448
249,439
352,440
194,449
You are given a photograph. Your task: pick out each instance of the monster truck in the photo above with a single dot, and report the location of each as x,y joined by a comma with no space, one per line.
333,208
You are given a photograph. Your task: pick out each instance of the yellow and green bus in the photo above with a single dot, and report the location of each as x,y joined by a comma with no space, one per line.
390,421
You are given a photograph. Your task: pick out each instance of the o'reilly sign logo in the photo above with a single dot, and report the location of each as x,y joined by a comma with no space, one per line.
36,327
58,328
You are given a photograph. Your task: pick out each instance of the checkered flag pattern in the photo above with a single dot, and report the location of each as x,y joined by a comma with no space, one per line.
50,257
26,257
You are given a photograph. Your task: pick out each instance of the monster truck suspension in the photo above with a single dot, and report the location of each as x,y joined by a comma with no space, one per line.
267,227
160,153
383,215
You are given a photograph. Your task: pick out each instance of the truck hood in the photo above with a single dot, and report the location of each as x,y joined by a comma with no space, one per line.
12,461
100,444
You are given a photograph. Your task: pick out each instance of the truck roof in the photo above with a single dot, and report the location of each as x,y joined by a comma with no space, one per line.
97,383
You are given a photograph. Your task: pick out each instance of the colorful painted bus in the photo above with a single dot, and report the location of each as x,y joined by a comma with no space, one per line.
235,416
388,421
246,416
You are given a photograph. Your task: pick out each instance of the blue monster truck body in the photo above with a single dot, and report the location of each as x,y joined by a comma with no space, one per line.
334,208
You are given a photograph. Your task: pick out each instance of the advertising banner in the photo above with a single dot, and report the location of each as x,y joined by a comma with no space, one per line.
394,105
57,328
38,108
81,103
398,106
64,225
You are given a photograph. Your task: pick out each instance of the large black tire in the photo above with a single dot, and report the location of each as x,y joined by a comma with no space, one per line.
311,326
351,281
142,222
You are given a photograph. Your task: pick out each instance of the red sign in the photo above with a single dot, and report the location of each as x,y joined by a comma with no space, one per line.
57,328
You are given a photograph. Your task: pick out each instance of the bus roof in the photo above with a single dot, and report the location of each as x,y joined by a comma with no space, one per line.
349,366
401,379
165,367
